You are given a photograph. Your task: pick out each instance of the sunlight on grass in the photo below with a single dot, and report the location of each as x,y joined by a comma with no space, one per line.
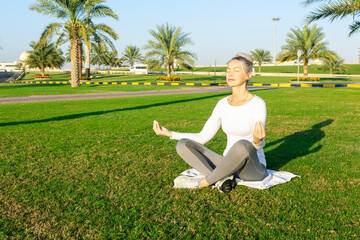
95,169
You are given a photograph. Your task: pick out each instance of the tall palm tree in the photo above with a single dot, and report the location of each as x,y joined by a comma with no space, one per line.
74,27
44,55
260,56
68,55
309,41
73,13
167,47
335,9
132,54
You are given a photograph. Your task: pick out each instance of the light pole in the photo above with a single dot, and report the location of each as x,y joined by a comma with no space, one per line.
298,55
215,72
275,19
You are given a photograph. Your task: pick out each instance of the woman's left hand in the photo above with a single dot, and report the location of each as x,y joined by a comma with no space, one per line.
259,132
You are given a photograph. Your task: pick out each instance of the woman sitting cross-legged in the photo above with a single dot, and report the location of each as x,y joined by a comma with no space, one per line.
242,117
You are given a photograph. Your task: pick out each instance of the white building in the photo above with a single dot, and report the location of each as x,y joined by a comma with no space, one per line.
11,66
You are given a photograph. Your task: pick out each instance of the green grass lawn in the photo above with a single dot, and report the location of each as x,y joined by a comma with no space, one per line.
95,169
313,69
186,78
20,90
23,90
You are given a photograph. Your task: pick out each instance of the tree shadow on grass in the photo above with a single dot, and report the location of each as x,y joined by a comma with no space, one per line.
295,145
81,115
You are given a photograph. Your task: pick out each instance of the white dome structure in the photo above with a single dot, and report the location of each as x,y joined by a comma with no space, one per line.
24,56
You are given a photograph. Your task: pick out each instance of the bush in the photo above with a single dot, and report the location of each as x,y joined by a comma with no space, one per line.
47,76
169,79
311,79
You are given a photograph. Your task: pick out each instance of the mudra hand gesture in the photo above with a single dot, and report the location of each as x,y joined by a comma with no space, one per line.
160,130
259,132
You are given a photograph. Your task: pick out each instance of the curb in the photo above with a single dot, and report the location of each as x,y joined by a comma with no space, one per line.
325,85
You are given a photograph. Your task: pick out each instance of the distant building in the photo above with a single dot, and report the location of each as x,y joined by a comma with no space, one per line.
11,66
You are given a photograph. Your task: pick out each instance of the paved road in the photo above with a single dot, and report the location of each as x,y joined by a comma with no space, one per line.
109,95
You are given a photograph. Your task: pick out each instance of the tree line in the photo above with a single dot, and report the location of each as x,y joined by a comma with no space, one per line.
92,43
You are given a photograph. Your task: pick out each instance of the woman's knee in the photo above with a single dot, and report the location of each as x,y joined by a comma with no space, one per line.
182,144
243,146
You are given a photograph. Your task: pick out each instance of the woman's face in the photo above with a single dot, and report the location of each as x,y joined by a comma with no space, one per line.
236,73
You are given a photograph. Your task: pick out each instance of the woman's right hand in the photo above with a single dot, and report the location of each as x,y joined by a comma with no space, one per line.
160,130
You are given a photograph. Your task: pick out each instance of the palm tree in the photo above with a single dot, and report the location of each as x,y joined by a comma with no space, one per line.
183,58
72,11
335,9
333,64
68,55
260,56
44,55
97,56
74,27
132,54
110,58
309,41
166,48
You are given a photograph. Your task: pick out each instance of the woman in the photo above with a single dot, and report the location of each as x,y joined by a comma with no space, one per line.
242,117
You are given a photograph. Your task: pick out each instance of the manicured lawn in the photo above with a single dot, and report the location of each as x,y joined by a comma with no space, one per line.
352,69
19,90
22,90
95,169
186,78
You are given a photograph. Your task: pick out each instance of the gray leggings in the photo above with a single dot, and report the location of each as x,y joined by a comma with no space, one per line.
241,161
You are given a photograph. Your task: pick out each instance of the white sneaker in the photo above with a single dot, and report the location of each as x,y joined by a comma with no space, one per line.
227,184
187,182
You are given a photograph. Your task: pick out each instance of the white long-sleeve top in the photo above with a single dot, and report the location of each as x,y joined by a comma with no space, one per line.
237,122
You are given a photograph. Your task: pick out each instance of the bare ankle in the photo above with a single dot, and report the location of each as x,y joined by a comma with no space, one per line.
204,183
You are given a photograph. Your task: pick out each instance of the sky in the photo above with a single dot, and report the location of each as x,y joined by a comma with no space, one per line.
219,29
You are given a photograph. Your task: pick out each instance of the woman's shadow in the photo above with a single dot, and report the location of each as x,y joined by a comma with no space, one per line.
295,145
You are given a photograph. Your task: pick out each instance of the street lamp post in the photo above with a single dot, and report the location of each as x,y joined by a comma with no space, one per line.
298,55
275,19
215,72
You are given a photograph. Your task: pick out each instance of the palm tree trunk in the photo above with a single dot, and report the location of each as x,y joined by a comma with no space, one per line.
87,47
80,58
259,67
42,71
168,70
306,65
331,71
87,60
99,65
74,55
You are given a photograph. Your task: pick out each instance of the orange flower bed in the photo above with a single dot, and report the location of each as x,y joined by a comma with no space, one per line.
169,79
311,79
47,76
